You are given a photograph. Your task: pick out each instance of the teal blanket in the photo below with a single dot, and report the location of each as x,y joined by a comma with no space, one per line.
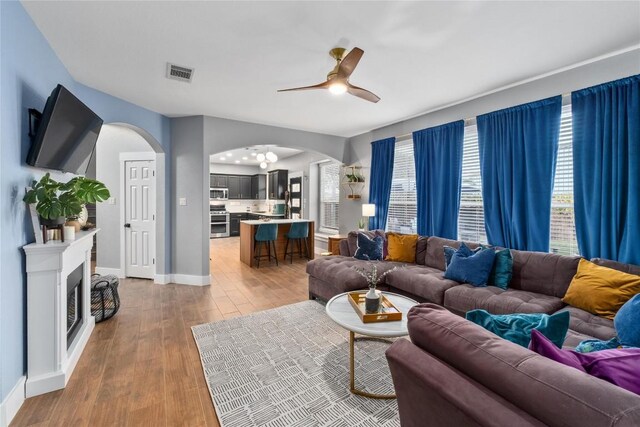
517,327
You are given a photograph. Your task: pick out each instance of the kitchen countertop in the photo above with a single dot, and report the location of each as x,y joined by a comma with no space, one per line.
257,213
273,221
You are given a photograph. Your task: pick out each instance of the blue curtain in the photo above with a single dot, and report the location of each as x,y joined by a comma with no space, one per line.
382,153
438,158
518,151
606,169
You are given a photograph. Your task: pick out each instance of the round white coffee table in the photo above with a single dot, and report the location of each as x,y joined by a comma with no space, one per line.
340,311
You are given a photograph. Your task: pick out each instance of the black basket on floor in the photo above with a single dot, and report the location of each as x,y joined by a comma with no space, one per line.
105,300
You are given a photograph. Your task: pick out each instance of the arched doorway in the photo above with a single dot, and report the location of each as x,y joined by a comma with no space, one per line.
118,144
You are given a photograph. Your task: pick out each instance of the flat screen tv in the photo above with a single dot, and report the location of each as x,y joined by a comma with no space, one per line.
66,134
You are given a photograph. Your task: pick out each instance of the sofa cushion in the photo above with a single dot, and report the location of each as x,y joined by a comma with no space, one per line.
627,323
497,301
338,269
421,249
473,268
543,273
574,338
625,268
402,247
589,324
435,251
425,282
352,239
369,249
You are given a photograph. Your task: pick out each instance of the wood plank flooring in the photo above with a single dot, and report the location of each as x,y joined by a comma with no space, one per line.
141,367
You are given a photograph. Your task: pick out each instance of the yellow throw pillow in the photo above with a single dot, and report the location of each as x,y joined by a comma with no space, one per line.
401,247
601,290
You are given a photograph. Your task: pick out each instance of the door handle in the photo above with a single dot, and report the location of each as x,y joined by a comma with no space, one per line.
127,225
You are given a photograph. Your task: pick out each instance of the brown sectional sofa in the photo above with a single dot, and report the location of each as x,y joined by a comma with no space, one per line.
455,373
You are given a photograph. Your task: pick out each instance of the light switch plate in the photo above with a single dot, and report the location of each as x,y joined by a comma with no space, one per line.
183,201
112,200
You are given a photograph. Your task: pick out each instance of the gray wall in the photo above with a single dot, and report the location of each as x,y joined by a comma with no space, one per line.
189,173
112,141
561,83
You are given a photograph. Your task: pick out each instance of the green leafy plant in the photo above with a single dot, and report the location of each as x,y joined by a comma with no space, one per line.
55,199
361,223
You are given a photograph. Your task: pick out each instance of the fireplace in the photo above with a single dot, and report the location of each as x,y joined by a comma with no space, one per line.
74,303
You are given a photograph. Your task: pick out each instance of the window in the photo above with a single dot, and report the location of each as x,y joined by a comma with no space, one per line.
563,228
329,195
402,216
471,216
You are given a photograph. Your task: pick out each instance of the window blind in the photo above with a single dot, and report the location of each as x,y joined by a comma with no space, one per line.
329,195
563,229
403,203
471,216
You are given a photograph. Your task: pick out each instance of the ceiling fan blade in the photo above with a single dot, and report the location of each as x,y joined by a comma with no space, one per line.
349,62
322,85
362,93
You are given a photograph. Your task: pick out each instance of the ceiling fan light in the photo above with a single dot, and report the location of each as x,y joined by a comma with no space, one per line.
253,154
337,88
263,165
271,156
260,157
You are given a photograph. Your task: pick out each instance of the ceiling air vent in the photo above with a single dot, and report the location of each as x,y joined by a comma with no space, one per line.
177,72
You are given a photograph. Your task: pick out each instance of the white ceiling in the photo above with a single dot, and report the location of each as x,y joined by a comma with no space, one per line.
418,55
237,156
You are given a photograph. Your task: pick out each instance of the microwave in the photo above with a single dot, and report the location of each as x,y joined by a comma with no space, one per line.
219,194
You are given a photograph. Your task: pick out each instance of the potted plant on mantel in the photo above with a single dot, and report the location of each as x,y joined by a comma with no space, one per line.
57,201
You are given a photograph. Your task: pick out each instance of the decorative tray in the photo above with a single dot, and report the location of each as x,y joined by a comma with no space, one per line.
386,313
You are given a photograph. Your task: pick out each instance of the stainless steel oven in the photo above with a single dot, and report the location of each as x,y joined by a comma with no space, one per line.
219,194
219,220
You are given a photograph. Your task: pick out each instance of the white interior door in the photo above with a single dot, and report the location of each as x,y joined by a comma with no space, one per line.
140,218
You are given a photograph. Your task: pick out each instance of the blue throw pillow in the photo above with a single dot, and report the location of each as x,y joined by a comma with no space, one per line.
473,269
517,327
369,249
627,322
449,251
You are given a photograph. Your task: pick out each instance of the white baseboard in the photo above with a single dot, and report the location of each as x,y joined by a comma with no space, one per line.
162,279
12,403
115,271
187,279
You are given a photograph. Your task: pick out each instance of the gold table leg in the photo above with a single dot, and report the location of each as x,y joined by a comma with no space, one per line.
352,368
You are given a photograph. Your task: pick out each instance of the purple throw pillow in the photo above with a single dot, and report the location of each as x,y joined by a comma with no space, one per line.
618,366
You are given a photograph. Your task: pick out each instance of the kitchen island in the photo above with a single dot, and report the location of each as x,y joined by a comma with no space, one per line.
248,230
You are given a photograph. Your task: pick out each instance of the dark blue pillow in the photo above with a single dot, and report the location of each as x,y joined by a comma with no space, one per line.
473,269
517,327
369,249
463,249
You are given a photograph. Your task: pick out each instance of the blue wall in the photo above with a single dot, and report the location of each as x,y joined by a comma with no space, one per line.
29,71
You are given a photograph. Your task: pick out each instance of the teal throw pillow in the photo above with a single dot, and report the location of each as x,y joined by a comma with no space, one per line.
502,270
627,322
473,269
517,327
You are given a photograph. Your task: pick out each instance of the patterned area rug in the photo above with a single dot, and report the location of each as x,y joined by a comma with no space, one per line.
290,367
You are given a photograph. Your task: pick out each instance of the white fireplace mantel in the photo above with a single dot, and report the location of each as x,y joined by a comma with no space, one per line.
49,362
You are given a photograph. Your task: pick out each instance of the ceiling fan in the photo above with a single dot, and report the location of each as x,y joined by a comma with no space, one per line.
338,78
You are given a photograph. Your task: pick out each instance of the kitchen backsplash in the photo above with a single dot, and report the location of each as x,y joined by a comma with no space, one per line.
235,206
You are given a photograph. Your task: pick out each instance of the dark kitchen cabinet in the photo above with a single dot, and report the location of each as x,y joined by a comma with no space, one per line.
259,187
278,182
218,181
245,187
234,223
234,187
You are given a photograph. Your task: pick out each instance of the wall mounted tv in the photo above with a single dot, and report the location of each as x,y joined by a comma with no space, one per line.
65,135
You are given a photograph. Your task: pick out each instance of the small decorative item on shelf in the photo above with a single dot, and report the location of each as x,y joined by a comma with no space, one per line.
353,181
372,304
361,224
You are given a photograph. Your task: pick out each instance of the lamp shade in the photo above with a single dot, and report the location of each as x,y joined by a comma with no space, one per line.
368,209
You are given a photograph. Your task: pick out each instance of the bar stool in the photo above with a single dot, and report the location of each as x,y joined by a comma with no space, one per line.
299,232
267,234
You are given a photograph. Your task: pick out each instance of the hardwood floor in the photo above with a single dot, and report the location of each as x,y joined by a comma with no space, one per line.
141,367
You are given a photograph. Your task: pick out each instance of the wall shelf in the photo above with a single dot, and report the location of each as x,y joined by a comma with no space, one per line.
353,181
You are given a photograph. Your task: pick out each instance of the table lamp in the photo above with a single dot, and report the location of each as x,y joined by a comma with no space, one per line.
368,210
